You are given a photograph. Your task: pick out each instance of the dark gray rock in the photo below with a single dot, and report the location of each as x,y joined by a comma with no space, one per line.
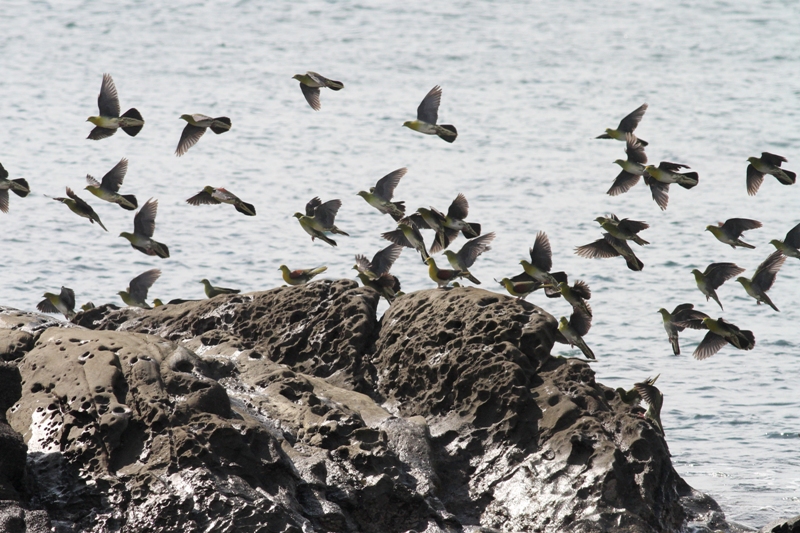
791,525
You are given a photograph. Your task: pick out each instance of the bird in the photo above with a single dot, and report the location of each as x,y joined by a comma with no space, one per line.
144,225
572,331
715,275
300,276
576,295
466,256
767,164
626,125
659,178
375,274
428,115
310,83
407,235
632,396
654,399
80,207
790,246
380,195
212,291
442,276
624,229
109,119
719,333
18,186
63,303
196,126
157,302
456,215
764,278
432,218
319,218
730,231
520,285
610,246
108,189
540,265
681,313
632,167
217,195
136,295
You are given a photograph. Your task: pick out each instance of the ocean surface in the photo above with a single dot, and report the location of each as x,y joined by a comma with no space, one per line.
529,85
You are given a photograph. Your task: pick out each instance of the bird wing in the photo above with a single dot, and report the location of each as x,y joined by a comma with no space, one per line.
671,167
189,137
659,190
581,290
632,226
622,183
598,249
740,338
772,159
326,213
312,205
768,270
3,172
384,259
363,264
80,202
793,237
459,209
428,110
634,149
397,237
711,344
718,273
524,277
630,122
754,180
735,226
139,285
541,253
144,222
416,220
112,181
473,248
107,100
649,393
68,297
4,200
46,306
312,96
580,322
202,198
384,189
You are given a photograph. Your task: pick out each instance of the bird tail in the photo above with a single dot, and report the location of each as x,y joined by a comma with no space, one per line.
471,230
744,244
586,350
447,132
23,188
470,277
100,223
318,270
161,250
337,231
131,199
689,180
603,136
221,129
714,296
787,177
769,303
634,263
327,239
132,130
638,240
398,210
245,208
676,347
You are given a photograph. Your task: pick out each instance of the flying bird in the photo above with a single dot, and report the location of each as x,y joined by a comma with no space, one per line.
632,396
610,246
407,235
319,218
196,126
790,246
375,274
300,276
573,330
428,115
109,120
659,178
730,231
18,186
632,168
541,263
714,276
63,303
136,295
380,195
78,206
654,400
144,225
767,164
719,333
310,83
626,125
212,291
468,253
217,195
624,229
456,215
520,285
764,278
108,189
577,295
681,313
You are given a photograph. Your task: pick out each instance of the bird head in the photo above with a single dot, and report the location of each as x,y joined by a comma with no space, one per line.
600,220
362,194
504,281
697,273
94,120
283,268
663,312
620,162
711,228
563,286
298,215
650,169
752,160
563,323
409,124
186,117
208,189
157,303
298,77
609,131
429,261
127,235
205,281
776,243
743,280
450,254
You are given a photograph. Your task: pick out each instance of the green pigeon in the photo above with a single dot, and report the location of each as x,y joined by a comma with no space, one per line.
456,215
157,302
654,400
466,256
730,231
319,218
764,278
108,189
576,295
520,285
540,265
109,120
632,396
80,207
573,330
217,195
300,276
433,219
375,274
659,179
442,276
624,229
63,303
310,83
136,295
407,235
428,116
681,313
767,164
626,126
212,291
632,167
719,333
144,225
610,246
380,195
714,276
790,246
18,186
196,126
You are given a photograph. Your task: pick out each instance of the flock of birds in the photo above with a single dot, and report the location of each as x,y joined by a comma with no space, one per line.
318,220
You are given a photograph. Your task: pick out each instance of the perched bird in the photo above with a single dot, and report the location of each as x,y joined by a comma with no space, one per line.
719,333
624,229
157,302
730,231
540,265
654,399
790,246
63,303
195,128
632,396
763,279
468,253
610,246
108,190
715,275
442,276
375,274
212,291
520,285
408,236
572,331
217,195
456,215
109,120
380,195
80,207
576,295
319,218
681,313
300,276
626,125
136,294
88,306
767,164
428,115
632,167
144,225
659,179
310,82
18,186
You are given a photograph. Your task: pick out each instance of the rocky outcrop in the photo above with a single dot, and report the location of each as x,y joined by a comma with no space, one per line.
295,410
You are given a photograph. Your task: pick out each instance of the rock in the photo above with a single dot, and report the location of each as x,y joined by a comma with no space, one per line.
791,525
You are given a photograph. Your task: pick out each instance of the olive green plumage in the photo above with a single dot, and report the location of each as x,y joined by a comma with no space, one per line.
626,126
78,206
63,302
212,291
310,84
300,276
428,116
764,278
18,186
767,164
108,189
573,330
136,294
144,225
109,119
196,126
